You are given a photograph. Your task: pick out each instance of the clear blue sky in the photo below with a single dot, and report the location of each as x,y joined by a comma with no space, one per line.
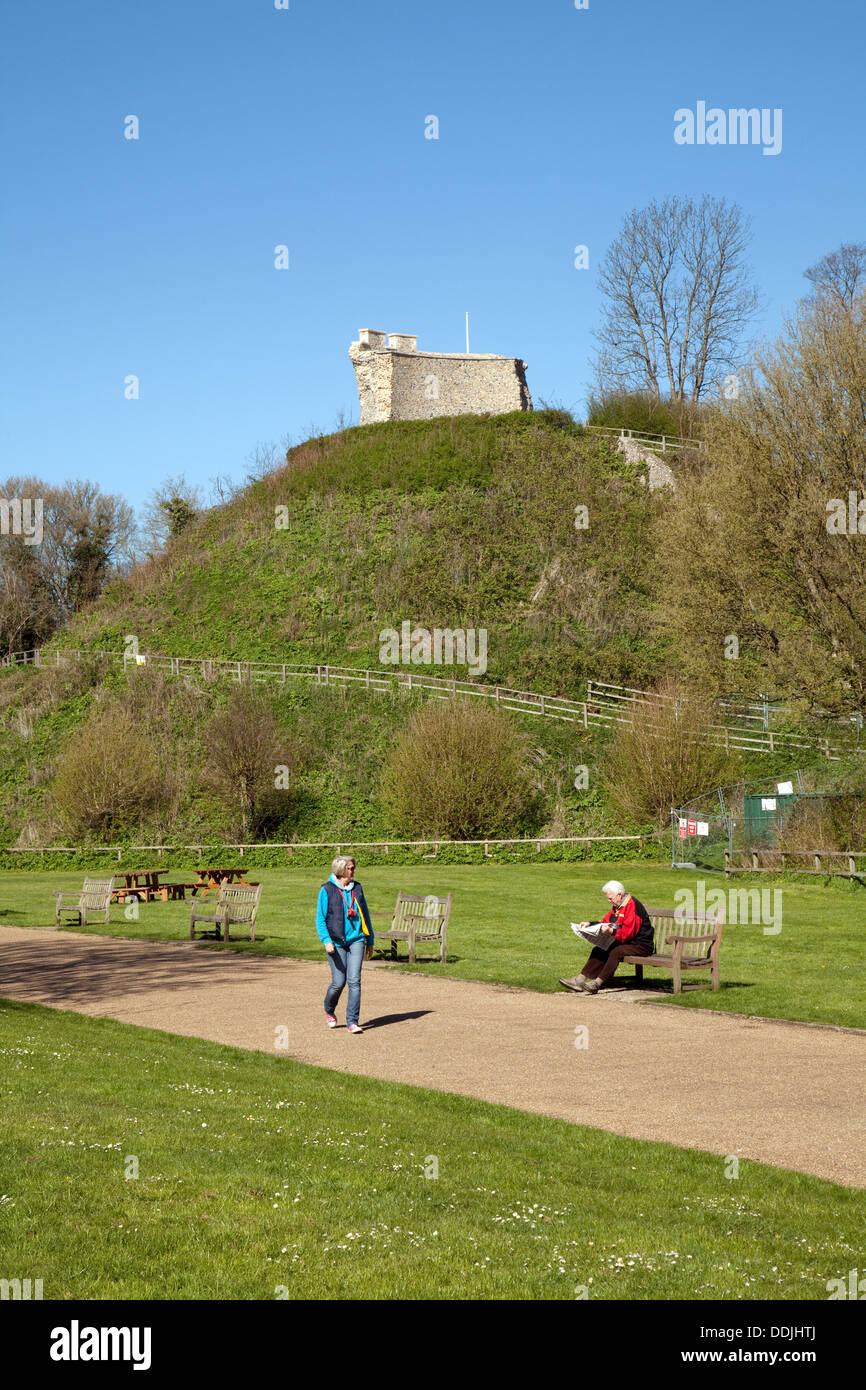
306,127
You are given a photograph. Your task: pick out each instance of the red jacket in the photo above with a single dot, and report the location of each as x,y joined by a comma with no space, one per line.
631,920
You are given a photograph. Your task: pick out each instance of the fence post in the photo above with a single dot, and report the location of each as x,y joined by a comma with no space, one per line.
542,704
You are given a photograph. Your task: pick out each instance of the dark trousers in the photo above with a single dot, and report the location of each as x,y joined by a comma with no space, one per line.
602,965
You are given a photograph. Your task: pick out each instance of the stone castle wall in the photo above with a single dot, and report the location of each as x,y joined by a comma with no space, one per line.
397,382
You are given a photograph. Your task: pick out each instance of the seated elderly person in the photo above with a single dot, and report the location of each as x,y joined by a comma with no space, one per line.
633,929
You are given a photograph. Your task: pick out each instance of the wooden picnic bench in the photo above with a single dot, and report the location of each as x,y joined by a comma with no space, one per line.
696,942
415,918
94,898
140,885
214,878
237,905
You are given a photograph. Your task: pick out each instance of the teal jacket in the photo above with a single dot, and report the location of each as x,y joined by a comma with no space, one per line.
332,913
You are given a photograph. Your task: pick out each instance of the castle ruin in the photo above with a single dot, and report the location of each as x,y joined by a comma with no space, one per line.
397,382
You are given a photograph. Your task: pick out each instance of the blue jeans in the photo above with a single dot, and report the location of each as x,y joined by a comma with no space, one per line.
345,963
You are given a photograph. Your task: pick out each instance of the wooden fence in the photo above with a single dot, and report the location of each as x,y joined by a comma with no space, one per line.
605,702
831,863
337,846
659,442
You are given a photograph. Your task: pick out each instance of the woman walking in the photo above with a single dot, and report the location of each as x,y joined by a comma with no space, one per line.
343,925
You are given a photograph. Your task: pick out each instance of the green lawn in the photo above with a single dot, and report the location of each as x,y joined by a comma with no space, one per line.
510,925
258,1177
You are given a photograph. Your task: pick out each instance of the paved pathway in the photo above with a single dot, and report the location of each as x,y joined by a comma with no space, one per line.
775,1092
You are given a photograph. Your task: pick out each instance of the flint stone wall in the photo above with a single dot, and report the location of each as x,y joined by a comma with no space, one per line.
396,382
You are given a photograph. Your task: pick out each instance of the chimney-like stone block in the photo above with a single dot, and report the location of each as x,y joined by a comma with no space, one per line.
403,342
372,338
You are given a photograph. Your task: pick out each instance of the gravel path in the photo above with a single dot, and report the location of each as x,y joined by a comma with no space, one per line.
781,1094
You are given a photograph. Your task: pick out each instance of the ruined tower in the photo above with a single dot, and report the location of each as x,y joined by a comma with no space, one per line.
397,382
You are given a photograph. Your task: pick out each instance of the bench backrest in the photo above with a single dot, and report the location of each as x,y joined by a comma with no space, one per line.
242,901
427,916
96,894
672,921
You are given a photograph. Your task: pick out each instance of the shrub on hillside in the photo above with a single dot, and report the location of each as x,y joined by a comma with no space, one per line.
641,410
109,776
244,753
459,771
663,759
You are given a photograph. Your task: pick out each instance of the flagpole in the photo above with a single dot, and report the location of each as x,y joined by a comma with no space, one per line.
467,332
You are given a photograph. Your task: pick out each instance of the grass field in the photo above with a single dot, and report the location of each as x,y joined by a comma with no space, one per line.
138,1164
510,925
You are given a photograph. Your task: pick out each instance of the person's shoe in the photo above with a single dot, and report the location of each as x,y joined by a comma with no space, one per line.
331,1020
574,984
355,1028
592,987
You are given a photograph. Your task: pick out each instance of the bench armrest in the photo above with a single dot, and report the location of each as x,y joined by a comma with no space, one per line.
669,940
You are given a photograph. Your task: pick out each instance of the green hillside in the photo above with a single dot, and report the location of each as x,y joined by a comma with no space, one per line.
447,523
523,527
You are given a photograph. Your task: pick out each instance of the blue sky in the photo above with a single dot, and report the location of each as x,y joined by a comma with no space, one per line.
306,127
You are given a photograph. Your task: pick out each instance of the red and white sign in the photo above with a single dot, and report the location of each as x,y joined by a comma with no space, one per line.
693,827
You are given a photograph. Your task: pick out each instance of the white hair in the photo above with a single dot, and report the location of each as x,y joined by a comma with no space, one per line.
613,887
341,864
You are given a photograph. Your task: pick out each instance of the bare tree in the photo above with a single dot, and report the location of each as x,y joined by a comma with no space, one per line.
86,536
840,274
678,298
244,750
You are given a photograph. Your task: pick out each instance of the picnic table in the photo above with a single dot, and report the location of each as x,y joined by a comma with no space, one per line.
212,878
144,884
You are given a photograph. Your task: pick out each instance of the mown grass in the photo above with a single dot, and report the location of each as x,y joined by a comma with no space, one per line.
510,925
259,1177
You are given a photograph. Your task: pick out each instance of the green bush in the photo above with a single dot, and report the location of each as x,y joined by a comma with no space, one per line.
109,777
459,770
641,410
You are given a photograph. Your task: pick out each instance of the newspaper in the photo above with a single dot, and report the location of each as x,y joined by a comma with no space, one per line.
599,933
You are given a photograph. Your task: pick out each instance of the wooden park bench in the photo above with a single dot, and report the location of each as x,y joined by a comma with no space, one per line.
237,905
93,898
695,941
415,918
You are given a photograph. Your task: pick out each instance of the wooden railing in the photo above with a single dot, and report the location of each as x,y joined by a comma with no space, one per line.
649,440
826,862
605,702
378,681
201,849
